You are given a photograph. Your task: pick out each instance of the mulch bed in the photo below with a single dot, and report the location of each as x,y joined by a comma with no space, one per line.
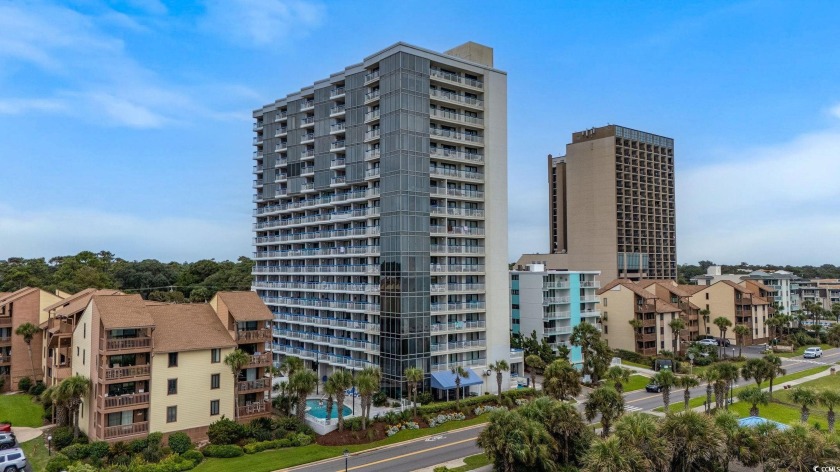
375,432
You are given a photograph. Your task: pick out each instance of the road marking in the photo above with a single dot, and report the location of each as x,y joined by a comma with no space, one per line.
643,398
434,438
409,454
632,408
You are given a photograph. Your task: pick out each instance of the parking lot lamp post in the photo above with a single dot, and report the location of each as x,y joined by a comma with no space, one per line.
346,456
49,445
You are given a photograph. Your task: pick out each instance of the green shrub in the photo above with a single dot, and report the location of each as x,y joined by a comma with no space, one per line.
138,445
256,447
62,437
155,439
58,463
355,424
98,450
76,452
180,442
24,384
225,431
424,398
222,450
194,456
81,467
634,357
380,399
300,439
37,389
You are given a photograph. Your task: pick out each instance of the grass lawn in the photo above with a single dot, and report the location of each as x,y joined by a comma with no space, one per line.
777,384
21,410
799,351
635,364
289,457
700,369
472,463
637,382
36,453
779,412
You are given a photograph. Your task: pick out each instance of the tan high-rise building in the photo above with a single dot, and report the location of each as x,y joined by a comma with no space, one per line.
611,204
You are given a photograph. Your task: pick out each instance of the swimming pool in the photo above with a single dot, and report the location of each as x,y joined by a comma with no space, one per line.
320,411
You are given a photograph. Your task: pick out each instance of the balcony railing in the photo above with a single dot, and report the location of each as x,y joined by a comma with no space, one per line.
255,335
454,346
121,401
259,359
307,104
253,408
372,134
340,144
338,109
457,326
117,373
111,432
5,320
372,95
248,385
370,77
125,344
445,133
450,77
371,115
446,153
372,154
455,97
338,127
337,92
5,359
5,339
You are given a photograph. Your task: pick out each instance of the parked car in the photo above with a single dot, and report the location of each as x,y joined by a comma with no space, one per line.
723,342
812,352
5,428
12,460
708,342
7,440
653,387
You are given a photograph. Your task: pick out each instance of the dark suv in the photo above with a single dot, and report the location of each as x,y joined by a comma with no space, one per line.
7,440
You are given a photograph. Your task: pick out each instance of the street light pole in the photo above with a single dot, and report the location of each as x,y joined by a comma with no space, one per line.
346,456
49,445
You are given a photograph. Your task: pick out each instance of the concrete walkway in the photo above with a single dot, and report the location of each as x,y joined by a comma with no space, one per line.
24,434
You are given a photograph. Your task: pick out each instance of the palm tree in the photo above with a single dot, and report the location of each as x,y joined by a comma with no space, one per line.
236,361
696,443
342,380
723,324
500,367
618,376
302,383
562,380
705,315
514,443
774,369
640,432
413,376
727,423
676,325
567,427
741,332
710,376
687,382
805,397
756,369
729,374
830,399
74,389
368,382
754,396
53,395
460,373
331,390
610,455
585,336
534,362
608,403
666,381
291,365
28,331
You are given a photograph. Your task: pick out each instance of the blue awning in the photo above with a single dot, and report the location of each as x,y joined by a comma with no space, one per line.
753,421
445,379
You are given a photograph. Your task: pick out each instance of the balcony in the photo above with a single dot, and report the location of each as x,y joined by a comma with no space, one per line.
371,77
249,386
338,180
307,121
371,173
449,154
5,321
372,154
260,360
307,105
126,344
456,135
281,115
338,127
5,340
5,359
456,98
371,115
136,372
122,401
337,162
372,134
558,330
337,92
337,110
258,408
371,96
253,336
338,145
307,138
458,345
455,78
455,116
114,432
457,326
307,153
280,131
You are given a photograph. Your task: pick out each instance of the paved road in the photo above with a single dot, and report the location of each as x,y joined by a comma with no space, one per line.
413,455
643,401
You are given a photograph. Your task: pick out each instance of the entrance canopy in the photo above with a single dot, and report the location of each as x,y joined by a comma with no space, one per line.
445,380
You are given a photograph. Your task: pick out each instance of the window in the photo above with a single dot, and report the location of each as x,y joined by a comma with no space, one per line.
606,329
173,359
515,306
514,277
514,292
172,386
171,414
707,295
83,356
214,381
214,407
84,330
604,301
215,356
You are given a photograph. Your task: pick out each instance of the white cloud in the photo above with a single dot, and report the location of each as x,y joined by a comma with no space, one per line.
17,106
835,111
64,231
261,22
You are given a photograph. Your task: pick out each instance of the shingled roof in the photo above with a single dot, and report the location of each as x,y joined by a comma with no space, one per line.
245,306
122,311
17,295
78,302
187,327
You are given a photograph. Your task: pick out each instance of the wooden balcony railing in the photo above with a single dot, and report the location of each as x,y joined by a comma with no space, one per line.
5,339
5,321
120,401
253,409
117,373
255,335
260,359
5,360
111,432
248,385
123,344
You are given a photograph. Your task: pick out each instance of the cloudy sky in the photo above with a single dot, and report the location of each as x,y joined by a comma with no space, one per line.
125,125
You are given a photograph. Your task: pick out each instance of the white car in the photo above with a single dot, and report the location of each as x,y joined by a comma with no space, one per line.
812,353
708,342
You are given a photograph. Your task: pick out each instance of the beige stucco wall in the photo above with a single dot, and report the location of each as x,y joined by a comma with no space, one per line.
720,302
618,309
194,393
83,343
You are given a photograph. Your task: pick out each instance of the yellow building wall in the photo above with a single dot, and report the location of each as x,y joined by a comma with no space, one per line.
83,362
194,394
617,305
720,302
